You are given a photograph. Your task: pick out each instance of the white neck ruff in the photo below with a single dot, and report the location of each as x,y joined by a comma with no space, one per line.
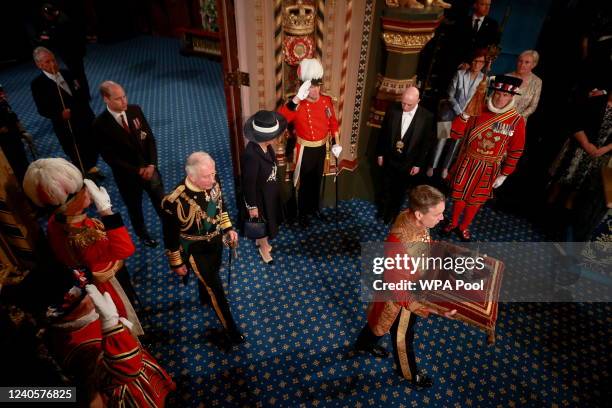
499,110
76,324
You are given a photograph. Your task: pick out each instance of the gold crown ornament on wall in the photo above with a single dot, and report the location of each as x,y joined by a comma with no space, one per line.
299,18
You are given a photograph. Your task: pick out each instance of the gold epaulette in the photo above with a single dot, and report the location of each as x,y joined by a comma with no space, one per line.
175,194
83,237
225,221
333,98
406,229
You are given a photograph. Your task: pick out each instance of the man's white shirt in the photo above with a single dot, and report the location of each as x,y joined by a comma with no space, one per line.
407,120
117,116
59,79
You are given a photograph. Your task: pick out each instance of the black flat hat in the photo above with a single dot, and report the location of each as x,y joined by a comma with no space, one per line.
506,83
264,126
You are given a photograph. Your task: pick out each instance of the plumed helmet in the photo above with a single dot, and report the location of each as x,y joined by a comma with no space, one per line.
311,69
51,181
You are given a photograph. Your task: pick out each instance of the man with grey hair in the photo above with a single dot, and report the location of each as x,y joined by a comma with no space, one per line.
196,226
60,97
127,144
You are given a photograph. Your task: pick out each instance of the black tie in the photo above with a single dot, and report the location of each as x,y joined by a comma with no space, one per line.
476,20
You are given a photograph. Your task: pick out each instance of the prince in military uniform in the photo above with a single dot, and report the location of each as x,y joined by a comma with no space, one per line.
196,226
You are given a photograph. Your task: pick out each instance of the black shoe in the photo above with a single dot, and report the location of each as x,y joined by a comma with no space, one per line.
150,242
375,350
95,176
236,338
422,380
219,338
447,229
464,235
304,222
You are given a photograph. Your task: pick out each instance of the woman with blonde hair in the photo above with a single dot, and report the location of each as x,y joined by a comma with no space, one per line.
527,102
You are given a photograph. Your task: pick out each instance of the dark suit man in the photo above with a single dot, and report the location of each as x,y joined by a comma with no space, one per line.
462,39
406,137
70,113
62,35
128,146
475,31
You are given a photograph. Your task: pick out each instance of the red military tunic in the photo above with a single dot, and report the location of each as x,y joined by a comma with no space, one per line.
101,247
115,363
313,122
493,147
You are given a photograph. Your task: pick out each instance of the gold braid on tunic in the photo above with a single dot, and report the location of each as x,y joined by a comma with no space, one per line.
410,234
195,214
84,236
415,240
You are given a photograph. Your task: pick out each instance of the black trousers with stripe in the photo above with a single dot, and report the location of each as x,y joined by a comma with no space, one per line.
205,261
311,174
402,334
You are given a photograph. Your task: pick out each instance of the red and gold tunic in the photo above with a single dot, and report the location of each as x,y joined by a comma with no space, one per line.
313,121
415,240
493,147
101,246
114,363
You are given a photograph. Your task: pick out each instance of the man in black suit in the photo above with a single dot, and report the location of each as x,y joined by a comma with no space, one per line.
61,34
403,145
61,98
475,31
128,146
461,39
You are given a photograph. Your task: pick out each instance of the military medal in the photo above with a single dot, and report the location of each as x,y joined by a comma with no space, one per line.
399,146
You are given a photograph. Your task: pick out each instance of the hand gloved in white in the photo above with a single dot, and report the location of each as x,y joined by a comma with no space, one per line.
499,181
336,150
109,317
303,91
99,196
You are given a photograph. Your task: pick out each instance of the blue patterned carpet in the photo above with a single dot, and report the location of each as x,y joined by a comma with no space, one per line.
301,315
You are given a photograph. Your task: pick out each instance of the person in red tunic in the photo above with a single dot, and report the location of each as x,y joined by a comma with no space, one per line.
78,240
314,119
398,315
96,348
493,144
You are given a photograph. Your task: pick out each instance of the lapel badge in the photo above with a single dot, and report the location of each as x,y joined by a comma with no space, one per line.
399,146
